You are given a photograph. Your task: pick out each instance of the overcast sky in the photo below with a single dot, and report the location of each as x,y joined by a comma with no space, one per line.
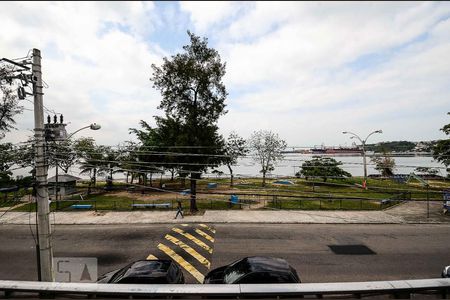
307,71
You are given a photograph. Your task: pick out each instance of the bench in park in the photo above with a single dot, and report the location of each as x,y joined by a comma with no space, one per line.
81,206
152,205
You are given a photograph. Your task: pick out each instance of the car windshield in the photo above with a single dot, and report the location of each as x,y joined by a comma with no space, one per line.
236,271
141,268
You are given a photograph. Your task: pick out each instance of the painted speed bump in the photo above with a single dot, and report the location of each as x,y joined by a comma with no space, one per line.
190,246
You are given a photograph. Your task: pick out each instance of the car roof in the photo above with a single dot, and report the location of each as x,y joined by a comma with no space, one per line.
265,264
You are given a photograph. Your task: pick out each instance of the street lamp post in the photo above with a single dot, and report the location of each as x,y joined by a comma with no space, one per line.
363,144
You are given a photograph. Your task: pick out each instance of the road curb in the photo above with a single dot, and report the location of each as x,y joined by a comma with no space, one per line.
249,223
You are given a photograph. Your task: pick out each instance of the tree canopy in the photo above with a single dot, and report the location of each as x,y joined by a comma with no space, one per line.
441,151
9,107
266,148
193,99
235,147
385,164
322,167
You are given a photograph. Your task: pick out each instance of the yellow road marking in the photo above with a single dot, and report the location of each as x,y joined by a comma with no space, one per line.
187,266
207,227
189,250
193,238
150,257
205,235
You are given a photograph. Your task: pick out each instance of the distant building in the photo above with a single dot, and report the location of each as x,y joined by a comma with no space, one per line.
66,185
423,147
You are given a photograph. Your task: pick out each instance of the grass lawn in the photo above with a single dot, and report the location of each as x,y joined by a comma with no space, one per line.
303,194
301,204
110,202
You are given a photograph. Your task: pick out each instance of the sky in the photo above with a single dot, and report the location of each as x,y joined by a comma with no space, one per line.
307,71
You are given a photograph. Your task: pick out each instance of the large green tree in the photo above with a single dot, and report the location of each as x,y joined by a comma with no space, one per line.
385,164
146,154
322,167
235,147
441,151
9,107
7,160
193,96
267,149
61,154
91,159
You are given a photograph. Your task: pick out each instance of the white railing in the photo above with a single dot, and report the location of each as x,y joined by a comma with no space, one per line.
400,288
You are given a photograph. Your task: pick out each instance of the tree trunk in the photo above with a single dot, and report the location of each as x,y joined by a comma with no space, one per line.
231,175
264,178
151,179
95,177
90,182
194,177
172,172
127,176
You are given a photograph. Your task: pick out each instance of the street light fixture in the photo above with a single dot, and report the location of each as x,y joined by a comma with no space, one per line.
93,126
363,143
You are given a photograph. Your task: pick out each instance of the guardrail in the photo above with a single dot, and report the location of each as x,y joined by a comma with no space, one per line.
399,289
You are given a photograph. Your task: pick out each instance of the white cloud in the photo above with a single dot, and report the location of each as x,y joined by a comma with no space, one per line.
94,59
300,77
307,71
207,14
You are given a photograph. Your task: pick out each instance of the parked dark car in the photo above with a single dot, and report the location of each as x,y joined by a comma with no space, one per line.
255,269
146,272
446,272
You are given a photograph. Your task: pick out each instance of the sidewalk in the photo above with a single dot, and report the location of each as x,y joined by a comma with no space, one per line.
413,212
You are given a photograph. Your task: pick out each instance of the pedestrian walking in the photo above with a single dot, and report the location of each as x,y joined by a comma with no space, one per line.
180,210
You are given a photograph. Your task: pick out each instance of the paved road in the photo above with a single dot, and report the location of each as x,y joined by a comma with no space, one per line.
402,251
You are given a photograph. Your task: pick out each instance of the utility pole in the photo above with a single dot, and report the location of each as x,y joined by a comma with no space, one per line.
42,200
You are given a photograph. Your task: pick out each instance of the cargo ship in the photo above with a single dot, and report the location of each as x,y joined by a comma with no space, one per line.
337,150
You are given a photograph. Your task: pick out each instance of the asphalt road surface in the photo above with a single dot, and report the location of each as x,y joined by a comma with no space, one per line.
394,252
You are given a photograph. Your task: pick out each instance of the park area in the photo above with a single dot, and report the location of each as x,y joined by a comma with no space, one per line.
246,194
